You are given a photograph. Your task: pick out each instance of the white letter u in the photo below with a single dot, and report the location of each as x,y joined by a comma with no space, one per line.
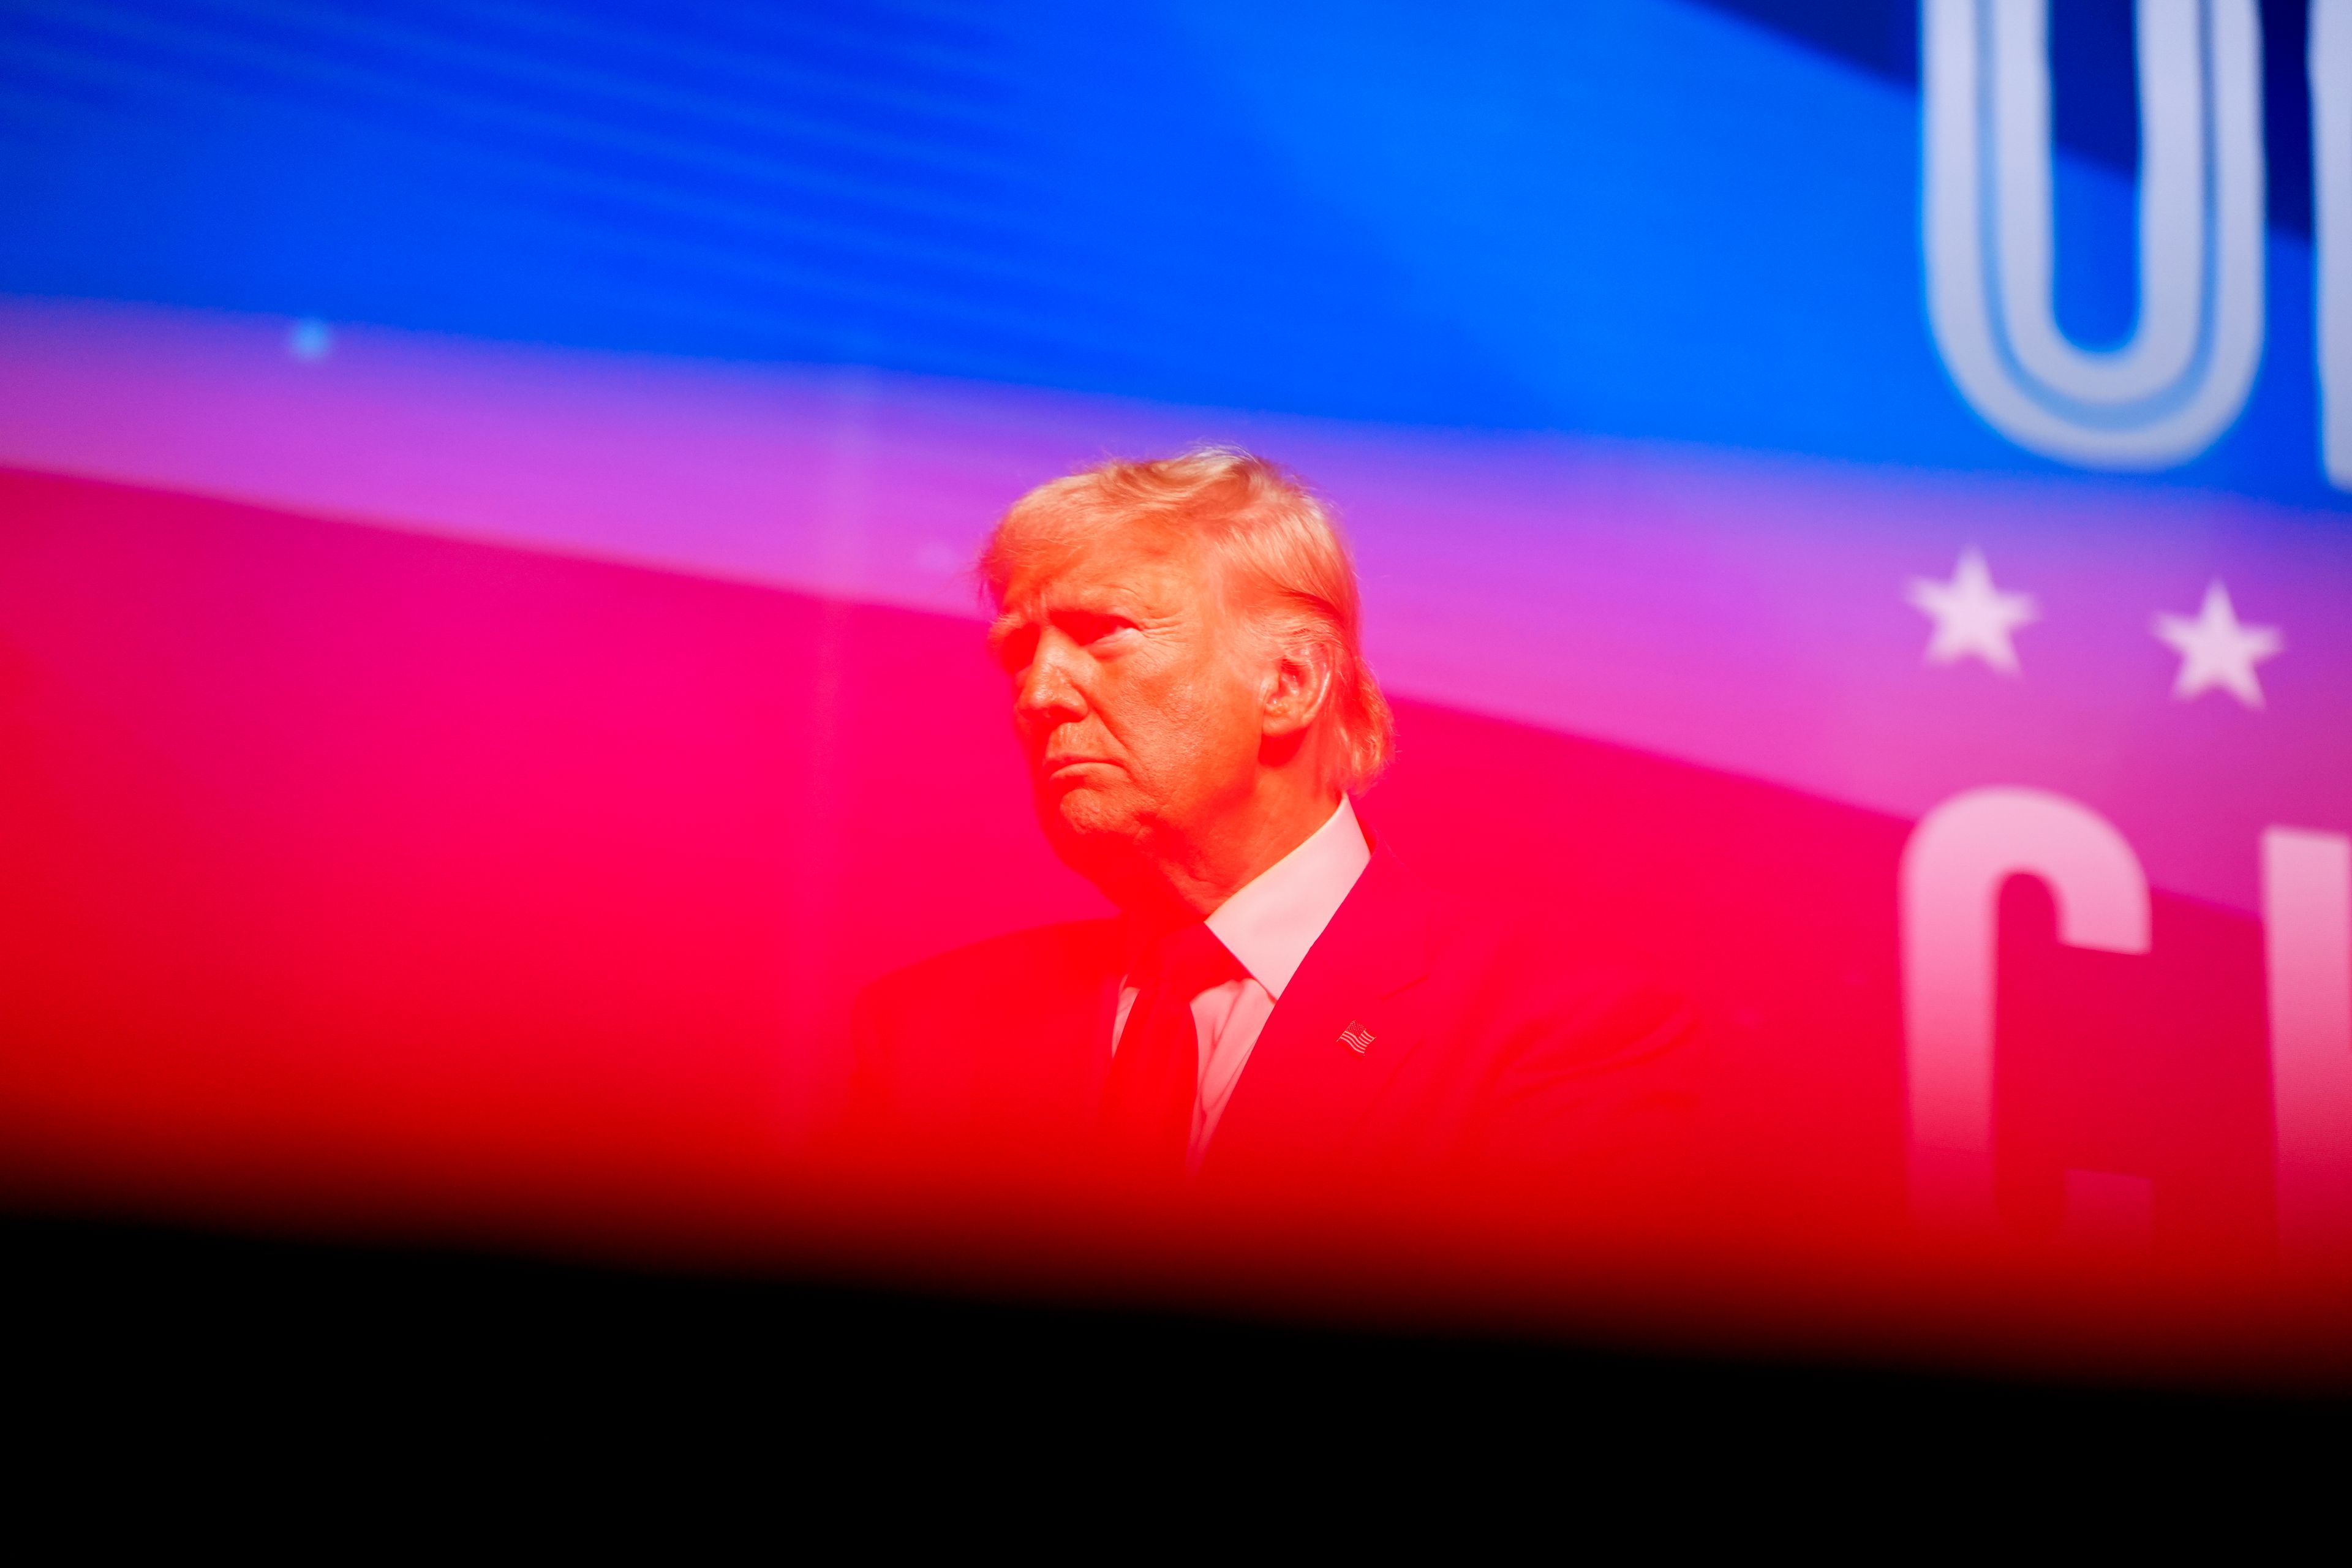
2166,394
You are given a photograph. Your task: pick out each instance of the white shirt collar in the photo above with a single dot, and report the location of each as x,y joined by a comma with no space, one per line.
1275,916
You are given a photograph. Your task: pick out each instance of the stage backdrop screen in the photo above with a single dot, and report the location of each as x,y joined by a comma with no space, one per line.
1853,504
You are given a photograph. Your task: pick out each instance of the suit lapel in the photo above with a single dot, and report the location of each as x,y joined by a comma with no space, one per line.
1344,1027
1045,1046
1080,1028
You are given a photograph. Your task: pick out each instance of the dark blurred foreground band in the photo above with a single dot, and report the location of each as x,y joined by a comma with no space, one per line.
145,1359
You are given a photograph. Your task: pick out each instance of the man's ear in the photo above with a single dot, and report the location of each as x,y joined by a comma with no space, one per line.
1297,688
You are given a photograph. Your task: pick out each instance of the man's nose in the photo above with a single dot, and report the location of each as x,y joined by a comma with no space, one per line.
1045,690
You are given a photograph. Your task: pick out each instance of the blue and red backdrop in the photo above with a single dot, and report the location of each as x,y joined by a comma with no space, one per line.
1854,502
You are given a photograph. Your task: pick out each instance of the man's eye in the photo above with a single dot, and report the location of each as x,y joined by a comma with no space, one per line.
1015,649
1090,630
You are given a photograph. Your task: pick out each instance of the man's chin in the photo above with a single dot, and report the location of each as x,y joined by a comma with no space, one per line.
1088,830
1084,821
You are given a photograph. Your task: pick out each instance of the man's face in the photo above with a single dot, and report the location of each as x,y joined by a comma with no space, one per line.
1132,695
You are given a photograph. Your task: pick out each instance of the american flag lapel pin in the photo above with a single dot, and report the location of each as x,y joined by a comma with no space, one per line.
1356,1037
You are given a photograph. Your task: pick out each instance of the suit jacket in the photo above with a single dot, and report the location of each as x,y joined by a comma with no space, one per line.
1421,1046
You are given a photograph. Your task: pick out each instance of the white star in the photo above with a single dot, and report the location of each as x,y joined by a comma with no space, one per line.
1973,616
2215,650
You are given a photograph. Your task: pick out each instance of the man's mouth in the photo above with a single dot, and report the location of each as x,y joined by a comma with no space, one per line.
1071,767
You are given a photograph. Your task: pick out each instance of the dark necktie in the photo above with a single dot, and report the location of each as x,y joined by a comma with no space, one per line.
1155,1073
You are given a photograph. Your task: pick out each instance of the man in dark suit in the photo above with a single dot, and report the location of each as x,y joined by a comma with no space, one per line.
1282,1005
